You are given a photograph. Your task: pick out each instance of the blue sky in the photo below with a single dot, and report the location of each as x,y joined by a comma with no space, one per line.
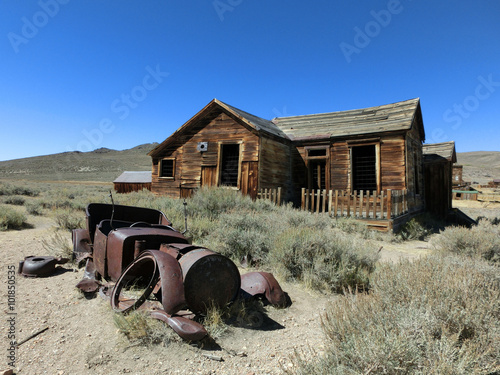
81,75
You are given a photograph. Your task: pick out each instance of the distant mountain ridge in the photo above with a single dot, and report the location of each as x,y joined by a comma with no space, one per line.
102,164
105,165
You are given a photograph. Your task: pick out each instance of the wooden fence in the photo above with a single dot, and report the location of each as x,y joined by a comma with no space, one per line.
389,204
274,195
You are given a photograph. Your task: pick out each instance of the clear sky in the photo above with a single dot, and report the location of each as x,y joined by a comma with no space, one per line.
80,75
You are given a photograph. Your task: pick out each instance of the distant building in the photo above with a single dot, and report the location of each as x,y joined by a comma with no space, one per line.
438,170
130,181
457,177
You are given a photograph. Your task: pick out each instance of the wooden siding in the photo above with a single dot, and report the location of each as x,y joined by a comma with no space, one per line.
438,187
128,187
392,163
340,165
274,165
195,168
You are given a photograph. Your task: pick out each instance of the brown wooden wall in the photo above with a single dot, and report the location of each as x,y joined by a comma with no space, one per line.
274,165
438,187
194,168
122,187
392,163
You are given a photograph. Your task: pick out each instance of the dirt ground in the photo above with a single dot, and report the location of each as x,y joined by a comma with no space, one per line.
81,337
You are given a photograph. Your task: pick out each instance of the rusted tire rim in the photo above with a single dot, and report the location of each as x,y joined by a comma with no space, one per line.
115,295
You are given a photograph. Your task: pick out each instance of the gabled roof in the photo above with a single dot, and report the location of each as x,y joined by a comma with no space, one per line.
440,151
134,177
384,118
212,110
398,116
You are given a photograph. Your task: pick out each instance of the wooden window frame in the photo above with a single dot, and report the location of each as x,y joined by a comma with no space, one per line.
160,169
310,159
219,163
367,142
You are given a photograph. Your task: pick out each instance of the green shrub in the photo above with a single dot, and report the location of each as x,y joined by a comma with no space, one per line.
15,200
434,315
70,219
482,240
141,329
8,189
324,260
11,218
414,230
34,207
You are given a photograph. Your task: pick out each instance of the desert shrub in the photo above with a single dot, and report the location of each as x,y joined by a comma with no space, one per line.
69,219
212,202
140,329
434,315
8,189
59,244
414,229
11,218
34,207
15,200
482,240
325,260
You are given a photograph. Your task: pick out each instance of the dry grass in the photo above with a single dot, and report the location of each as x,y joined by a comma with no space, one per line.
434,315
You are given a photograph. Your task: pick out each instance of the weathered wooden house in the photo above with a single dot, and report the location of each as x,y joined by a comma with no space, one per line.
130,181
376,150
438,167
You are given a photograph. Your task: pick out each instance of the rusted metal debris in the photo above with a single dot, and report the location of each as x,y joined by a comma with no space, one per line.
137,248
39,266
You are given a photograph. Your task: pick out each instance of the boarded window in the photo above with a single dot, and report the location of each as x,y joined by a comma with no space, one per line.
167,168
364,171
229,165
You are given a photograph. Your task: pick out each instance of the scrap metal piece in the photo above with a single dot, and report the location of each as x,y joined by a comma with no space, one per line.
186,328
89,283
264,283
210,279
36,266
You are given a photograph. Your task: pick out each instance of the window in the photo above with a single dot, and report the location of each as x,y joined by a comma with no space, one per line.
317,166
167,168
364,168
229,164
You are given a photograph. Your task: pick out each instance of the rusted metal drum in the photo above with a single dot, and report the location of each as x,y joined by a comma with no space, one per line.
210,279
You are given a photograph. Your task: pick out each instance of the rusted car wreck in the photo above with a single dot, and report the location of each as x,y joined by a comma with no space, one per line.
173,279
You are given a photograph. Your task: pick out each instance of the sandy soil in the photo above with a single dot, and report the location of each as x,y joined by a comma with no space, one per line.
81,337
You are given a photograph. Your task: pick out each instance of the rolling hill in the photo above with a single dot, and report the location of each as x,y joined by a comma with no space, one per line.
104,165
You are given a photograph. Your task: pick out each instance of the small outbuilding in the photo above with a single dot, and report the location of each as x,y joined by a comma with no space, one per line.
130,181
438,171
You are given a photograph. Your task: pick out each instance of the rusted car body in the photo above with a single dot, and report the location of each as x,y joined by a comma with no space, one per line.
135,246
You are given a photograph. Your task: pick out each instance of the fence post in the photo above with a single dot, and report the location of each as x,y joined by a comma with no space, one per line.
389,204
368,204
354,207
302,198
330,198
361,204
279,196
382,204
336,202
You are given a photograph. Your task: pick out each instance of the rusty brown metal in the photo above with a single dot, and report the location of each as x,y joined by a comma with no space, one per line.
210,279
89,283
150,267
39,266
264,284
120,246
185,328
